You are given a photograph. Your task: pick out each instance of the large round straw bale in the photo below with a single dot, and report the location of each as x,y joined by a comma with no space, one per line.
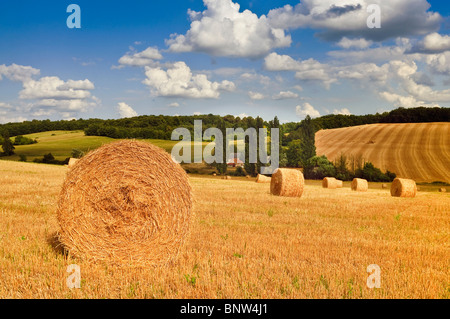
226,177
329,182
384,186
125,203
287,182
339,183
442,190
263,179
72,162
402,187
360,185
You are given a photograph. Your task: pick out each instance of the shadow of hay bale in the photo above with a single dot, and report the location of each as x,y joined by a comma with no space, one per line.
58,247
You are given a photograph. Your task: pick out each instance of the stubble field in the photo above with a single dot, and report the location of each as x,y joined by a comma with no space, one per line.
244,243
419,151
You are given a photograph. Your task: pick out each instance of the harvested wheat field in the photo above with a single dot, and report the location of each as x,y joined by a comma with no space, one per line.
418,151
315,246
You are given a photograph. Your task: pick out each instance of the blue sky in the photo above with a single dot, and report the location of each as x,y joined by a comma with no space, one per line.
246,58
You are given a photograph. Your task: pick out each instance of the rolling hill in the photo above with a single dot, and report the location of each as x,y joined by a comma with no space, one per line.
420,151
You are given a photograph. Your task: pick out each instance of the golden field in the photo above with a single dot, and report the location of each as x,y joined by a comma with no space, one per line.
244,243
420,151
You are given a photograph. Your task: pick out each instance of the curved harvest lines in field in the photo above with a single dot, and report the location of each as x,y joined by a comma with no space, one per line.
420,151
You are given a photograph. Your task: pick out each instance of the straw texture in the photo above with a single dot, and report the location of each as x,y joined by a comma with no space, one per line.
329,182
126,203
402,187
287,182
72,162
263,179
360,185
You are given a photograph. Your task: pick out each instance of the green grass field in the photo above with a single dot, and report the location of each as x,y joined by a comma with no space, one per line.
61,143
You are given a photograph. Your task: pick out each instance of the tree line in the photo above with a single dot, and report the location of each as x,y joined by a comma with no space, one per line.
161,126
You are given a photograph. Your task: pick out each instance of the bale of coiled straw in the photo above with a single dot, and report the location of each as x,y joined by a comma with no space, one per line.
72,162
226,177
442,190
339,183
287,182
125,203
384,186
360,185
402,187
263,179
329,182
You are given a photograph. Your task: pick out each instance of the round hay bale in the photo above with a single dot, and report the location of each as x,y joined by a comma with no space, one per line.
72,162
442,190
360,185
248,176
402,187
263,179
339,183
329,182
287,182
384,186
214,174
125,203
226,177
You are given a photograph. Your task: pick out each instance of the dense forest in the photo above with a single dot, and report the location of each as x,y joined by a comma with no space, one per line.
161,126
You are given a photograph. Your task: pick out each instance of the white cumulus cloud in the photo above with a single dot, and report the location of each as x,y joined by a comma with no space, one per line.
434,43
348,18
178,81
147,57
256,95
19,73
306,109
125,110
223,30
284,95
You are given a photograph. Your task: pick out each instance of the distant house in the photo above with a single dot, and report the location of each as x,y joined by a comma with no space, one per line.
235,160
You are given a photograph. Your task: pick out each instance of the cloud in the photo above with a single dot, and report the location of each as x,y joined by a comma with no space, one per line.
284,95
405,101
378,54
256,96
178,81
343,111
148,57
439,63
51,94
338,19
18,73
174,104
52,87
222,30
307,70
306,109
360,43
125,110
433,43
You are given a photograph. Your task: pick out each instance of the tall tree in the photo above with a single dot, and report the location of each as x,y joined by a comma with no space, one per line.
250,168
222,167
7,145
259,124
308,140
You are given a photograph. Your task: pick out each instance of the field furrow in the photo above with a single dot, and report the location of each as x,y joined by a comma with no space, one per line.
420,151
